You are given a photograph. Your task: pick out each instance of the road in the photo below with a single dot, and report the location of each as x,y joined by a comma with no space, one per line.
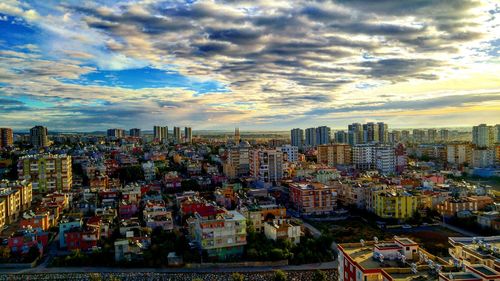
41,269
459,230
314,231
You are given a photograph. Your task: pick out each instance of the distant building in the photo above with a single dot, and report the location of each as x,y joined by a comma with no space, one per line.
355,134
444,135
335,154
459,153
283,229
395,204
188,135
115,133
135,132
310,140
383,132
483,136
160,133
431,135
6,137
177,135
323,135
340,137
297,137
237,137
39,136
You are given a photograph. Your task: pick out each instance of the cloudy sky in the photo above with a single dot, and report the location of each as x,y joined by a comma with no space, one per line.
81,66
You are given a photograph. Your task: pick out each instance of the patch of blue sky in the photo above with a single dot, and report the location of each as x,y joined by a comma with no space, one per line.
16,32
148,77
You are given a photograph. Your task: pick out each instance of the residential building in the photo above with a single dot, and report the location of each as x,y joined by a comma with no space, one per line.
292,153
177,135
221,235
12,203
160,133
396,204
312,197
48,172
355,134
363,156
135,132
6,137
383,132
431,135
385,159
470,251
238,160
188,135
418,136
310,137
323,135
115,133
39,136
334,154
470,204
371,132
266,165
385,260
483,136
459,153
297,137
25,192
283,229
483,158
444,135
340,137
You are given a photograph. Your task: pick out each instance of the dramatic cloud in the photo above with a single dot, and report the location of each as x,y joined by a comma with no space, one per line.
253,64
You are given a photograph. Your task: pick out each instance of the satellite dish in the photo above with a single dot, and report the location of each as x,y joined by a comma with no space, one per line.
362,242
375,239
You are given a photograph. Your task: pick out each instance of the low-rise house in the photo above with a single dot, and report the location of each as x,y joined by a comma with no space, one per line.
283,229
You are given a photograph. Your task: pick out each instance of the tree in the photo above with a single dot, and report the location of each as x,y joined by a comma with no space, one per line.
319,275
237,277
280,275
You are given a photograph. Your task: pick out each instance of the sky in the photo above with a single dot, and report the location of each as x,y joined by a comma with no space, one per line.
256,65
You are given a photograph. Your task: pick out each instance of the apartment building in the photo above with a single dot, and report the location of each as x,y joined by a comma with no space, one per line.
396,204
459,153
312,197
335,154
221,235
48,172
266,165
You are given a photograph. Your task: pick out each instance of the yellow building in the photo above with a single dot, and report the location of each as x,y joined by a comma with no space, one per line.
2,212
395,204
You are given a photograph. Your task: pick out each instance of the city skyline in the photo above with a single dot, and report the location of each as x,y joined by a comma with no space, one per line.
256,65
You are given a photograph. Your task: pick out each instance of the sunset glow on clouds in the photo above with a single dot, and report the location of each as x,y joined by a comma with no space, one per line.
252,64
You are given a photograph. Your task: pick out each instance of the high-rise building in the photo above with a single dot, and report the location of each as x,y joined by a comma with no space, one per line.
238,161
444,135
39,136
371,133
418,136
177,135
335,154
405,136
135,132
496,134
266,165
483,158
381,157
459,153
383,132
394,137
310,137
48,172
297,137
188,135
355,134
237,137
323,135
292,153
160,133
116,133
340,137
483,136
431,135
6,137
385,159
